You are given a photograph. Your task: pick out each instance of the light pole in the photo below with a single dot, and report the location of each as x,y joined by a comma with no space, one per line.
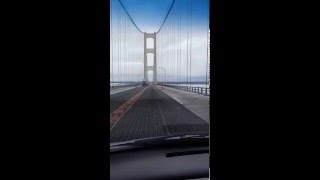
165,74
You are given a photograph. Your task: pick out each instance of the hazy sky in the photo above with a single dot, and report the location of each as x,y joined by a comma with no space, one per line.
149,15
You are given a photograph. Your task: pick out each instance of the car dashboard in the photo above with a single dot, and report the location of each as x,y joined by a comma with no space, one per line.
160,163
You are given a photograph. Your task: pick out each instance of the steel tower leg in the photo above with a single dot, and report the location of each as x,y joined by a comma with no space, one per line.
146,51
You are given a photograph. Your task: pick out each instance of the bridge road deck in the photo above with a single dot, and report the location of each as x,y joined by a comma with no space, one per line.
156,114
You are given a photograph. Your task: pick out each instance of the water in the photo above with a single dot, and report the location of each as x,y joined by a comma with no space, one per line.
118,84
192,85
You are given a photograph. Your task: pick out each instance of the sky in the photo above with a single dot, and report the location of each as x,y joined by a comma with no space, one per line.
147,14
150,14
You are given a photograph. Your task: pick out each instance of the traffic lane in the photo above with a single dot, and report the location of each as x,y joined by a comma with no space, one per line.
116,100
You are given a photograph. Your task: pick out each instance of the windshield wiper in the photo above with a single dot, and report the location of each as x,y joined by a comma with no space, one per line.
161,140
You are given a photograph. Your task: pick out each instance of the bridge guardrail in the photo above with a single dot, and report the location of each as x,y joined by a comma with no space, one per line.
198,90
125,85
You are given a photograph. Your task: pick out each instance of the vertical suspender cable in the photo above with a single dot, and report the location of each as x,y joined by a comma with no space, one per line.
169,55
165,47
126,49
176,43
173,44
180,40
122,49
111,40
207,46
128,53
120,55
120,65
180,32
160,54
170,49
118,33
190,40
187,46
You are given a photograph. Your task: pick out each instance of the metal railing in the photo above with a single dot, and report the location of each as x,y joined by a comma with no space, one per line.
198,90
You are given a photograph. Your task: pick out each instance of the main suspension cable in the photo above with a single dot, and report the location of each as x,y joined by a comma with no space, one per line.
173,1
125,10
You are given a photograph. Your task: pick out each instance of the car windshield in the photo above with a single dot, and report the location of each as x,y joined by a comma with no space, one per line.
159,69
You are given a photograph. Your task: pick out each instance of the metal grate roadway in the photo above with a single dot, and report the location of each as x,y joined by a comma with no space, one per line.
156,114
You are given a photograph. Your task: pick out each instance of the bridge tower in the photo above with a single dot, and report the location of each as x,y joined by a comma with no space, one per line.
153,51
